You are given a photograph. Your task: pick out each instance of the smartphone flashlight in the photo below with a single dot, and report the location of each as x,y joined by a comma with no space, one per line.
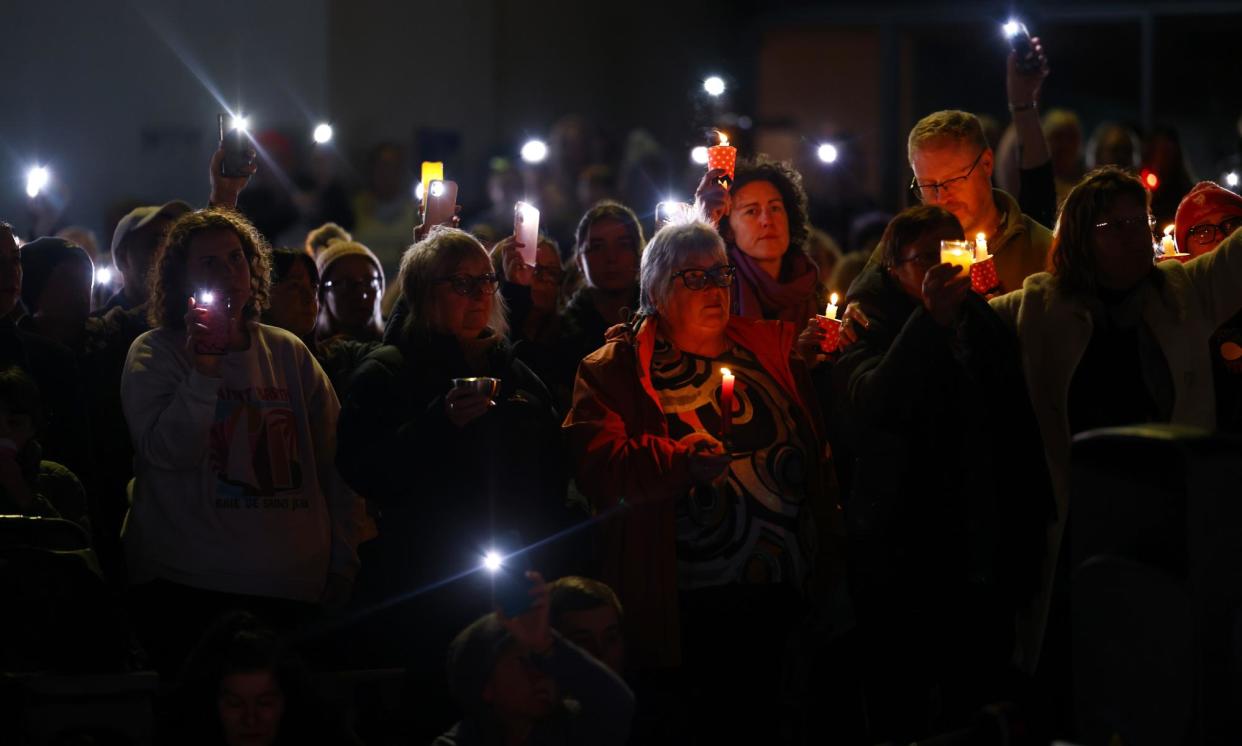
492,561
205,298
1012,28
437,189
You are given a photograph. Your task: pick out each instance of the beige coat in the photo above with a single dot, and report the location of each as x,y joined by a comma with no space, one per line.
1054,330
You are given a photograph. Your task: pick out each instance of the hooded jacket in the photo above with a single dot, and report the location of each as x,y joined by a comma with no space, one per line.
627,463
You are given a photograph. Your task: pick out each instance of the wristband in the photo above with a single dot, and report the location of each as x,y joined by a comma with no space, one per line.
1015,108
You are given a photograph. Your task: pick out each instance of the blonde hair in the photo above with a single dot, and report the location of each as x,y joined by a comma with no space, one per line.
950,124
431,259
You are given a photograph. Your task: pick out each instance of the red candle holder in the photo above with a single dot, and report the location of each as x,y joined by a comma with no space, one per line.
722,157
832,334
983,277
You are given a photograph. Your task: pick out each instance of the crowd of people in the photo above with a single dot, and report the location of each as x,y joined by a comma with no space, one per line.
252,461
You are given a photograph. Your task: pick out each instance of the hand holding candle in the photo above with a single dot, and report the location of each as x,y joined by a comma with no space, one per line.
831,326
957,253
722,156
983,277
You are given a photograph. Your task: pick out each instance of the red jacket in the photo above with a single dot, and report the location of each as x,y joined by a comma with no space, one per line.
618,437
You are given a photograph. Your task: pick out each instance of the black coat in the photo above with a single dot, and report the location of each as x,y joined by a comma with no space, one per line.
949,482
444,493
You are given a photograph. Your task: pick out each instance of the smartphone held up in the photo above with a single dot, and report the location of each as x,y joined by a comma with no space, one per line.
526,231
439,202
1029,60
235,142
215,341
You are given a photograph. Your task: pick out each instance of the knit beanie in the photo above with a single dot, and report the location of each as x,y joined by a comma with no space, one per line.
1206,198
338,250
40,258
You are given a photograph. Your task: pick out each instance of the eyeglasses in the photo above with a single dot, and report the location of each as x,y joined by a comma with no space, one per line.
372,284
550,274
930,259
468,285
1205,233
932,191
696,279
1123,225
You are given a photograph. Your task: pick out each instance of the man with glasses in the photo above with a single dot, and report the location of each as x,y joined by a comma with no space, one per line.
1206,217
952,166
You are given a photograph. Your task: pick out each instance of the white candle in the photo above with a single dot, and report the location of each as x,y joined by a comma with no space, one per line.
831,311
1167,245
981,247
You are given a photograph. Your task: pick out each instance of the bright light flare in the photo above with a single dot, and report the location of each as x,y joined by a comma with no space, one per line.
699,155
534,151
240,123
1231,179
1011,28
714,85
492,561
206,298
36,179
103,276
827,153
323,133
437,189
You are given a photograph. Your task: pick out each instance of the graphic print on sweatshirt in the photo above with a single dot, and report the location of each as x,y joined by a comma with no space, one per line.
254,446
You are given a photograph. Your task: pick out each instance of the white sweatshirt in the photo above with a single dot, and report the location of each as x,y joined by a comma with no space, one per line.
236,488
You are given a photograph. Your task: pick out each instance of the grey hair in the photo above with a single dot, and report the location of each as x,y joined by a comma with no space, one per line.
432,258
668,248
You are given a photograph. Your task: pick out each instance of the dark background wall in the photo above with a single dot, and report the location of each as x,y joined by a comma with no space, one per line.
119,97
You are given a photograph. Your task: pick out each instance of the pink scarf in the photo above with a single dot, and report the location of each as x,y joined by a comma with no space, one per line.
756,295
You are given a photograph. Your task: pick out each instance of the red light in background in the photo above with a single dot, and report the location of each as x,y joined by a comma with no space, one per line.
1150,180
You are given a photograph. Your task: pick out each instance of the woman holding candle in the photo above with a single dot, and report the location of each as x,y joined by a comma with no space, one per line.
236,499
1109,338
935,554
716,528
763,219
452,466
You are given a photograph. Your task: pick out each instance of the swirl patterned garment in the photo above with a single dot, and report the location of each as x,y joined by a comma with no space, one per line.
751,525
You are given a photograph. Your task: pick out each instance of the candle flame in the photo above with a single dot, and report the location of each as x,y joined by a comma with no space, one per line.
980,237
722,137
1168,229
726,372
832,299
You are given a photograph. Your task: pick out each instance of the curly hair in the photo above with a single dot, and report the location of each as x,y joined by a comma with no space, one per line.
788,182
1073,254
168,284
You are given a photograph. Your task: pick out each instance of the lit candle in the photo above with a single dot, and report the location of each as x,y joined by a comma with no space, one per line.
959,253
831,310
722,156
981,247
1167,246
726,402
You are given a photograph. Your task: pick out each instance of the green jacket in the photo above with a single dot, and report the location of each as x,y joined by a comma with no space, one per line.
1021,248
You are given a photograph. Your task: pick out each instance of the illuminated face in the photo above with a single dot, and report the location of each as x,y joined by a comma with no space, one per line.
250,706
917,257
464,316
957,176
217,262
759,221
545,286
697,313
1205,235
609,260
